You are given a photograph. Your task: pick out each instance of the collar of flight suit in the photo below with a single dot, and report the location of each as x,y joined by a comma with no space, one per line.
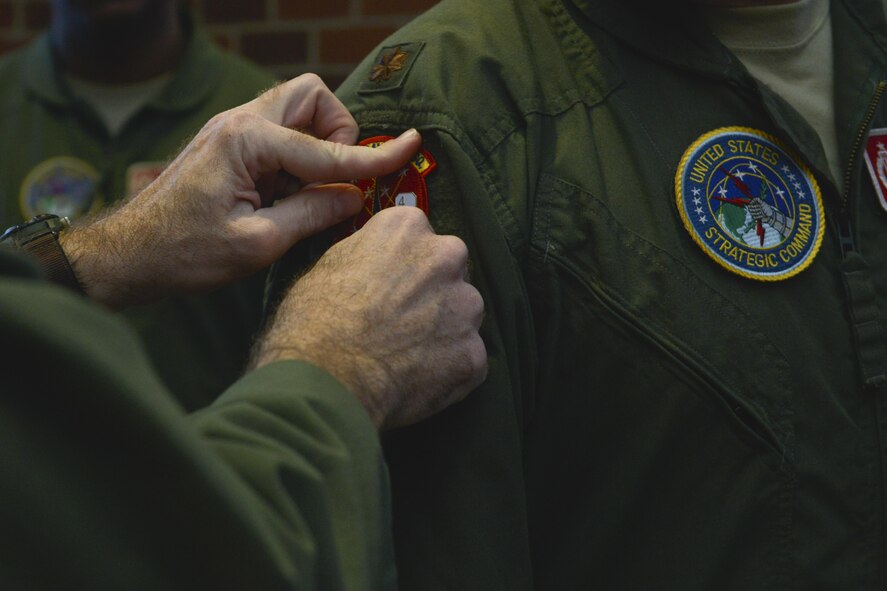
667,32
676,33
196,77
860,44
678,36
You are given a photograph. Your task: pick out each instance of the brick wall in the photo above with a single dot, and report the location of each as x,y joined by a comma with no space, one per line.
289,37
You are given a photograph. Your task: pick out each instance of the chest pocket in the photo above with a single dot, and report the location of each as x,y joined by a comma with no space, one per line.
672,403
654,299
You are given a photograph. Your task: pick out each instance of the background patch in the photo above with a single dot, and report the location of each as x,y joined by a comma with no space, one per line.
63,185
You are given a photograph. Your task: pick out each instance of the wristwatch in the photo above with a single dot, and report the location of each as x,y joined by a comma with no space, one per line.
39,236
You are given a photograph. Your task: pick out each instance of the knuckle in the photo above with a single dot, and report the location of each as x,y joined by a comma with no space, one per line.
475,304
478,360
408,219
233,122
410,215
453,251
335,153
311,219
310,79
217,120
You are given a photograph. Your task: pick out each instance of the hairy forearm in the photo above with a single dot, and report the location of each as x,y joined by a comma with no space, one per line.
111,261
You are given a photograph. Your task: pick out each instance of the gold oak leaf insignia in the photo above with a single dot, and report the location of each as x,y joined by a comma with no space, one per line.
391,62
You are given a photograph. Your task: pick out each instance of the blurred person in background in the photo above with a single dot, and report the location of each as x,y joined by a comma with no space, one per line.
89,112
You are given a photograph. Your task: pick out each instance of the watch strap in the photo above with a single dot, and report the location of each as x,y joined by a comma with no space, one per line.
39,237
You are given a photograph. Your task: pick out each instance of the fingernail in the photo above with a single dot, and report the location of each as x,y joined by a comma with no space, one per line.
409,134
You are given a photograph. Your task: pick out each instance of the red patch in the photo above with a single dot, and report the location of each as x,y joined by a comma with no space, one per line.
403,187
876,161
142,174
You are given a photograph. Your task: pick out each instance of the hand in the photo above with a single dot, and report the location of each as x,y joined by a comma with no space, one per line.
211,217
387,312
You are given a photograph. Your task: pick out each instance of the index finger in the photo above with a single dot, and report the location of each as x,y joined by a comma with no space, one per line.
310,159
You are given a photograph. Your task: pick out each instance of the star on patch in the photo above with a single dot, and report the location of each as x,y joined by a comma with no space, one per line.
390,63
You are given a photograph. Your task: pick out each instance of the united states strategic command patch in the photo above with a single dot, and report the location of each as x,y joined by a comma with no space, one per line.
403,187
751,206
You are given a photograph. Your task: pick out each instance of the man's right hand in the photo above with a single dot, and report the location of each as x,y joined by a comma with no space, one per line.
227,206
389,313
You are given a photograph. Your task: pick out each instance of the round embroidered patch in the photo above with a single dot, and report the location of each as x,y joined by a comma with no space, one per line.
751,206
403,187
62,185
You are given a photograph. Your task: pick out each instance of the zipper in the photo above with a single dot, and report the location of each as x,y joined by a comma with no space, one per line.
882,563
848,244
742,411
845,229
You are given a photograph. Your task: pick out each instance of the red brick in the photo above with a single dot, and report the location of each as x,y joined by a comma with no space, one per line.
233,11
224,41
288,71
375,7
349,46
333,81
300,10
275,47
6,14
37,15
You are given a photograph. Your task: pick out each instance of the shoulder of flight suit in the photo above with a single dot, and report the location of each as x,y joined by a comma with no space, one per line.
108,484
480,69
484,75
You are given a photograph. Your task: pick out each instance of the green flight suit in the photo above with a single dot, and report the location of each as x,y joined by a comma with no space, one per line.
57,154
107,484
651,420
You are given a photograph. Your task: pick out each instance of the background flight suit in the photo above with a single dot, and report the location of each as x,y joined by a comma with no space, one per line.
198,344
107,484
651,420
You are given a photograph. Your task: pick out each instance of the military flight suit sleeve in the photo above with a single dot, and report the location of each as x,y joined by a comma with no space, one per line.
107,484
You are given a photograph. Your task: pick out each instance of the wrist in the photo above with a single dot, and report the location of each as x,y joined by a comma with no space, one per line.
101,263
350,370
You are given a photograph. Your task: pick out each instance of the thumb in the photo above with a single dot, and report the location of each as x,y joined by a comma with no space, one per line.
312,210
